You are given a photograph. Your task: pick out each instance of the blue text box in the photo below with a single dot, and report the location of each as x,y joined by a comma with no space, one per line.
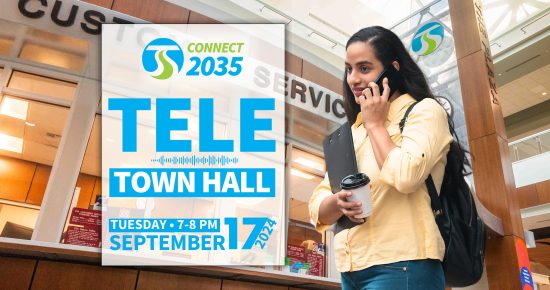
192,182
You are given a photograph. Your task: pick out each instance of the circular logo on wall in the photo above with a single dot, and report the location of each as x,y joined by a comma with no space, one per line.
161,57
428,38
441,55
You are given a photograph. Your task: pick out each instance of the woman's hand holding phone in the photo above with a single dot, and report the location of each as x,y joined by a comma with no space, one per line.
374,107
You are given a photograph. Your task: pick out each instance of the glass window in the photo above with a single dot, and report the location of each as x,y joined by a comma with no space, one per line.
545,141
308,162
30,132
527,148
5,45
73,43
7,36
43,47
309,128
54,49
306,132
305,245
42,85
87,194
306,172
52,56
92,157
17,221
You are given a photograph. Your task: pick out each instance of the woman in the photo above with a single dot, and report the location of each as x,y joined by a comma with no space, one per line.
399,245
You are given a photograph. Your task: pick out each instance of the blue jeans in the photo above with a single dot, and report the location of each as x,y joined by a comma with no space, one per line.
406,275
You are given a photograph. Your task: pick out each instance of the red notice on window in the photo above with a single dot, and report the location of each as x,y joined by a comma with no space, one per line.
317,263
86,217
296,252
90,237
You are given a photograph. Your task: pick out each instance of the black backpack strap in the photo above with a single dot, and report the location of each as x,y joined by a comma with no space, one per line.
430,185
402,122
434,197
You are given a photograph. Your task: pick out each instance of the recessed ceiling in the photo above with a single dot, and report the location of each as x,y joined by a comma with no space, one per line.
39,130
536,217
526,91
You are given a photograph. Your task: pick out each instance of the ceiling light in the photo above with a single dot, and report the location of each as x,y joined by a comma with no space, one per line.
544,93
30,124
300,173
11,143
309,163
321,40
14,108
274,15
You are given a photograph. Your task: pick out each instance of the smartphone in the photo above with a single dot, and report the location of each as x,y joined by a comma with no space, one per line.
393,80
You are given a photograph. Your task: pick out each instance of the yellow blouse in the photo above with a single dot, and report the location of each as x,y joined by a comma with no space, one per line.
401,226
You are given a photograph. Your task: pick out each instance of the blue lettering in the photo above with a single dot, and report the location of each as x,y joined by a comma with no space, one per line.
249,125
129,108
165,124
206,130
115,244
194,243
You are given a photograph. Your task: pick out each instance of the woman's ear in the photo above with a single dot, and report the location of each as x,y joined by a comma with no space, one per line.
395,65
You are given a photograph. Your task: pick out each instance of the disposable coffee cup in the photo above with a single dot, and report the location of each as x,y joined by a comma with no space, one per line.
358,184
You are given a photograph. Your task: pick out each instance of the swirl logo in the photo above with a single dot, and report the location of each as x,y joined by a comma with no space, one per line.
161,57
428,38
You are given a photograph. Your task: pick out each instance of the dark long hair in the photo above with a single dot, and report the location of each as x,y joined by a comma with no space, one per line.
388,48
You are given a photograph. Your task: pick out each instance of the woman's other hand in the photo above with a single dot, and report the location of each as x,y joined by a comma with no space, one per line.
349,208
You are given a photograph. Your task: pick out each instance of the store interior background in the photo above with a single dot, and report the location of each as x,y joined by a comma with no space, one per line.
34,106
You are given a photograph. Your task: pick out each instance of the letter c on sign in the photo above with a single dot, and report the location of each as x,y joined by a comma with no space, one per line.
36,14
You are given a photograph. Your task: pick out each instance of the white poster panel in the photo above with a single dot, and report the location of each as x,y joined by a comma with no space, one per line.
193,149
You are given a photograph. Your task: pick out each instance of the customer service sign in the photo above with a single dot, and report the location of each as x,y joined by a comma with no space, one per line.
193,145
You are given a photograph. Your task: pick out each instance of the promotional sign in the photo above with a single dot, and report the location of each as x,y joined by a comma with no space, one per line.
193,147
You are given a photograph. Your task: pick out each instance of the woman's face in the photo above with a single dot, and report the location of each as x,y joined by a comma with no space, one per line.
362,66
